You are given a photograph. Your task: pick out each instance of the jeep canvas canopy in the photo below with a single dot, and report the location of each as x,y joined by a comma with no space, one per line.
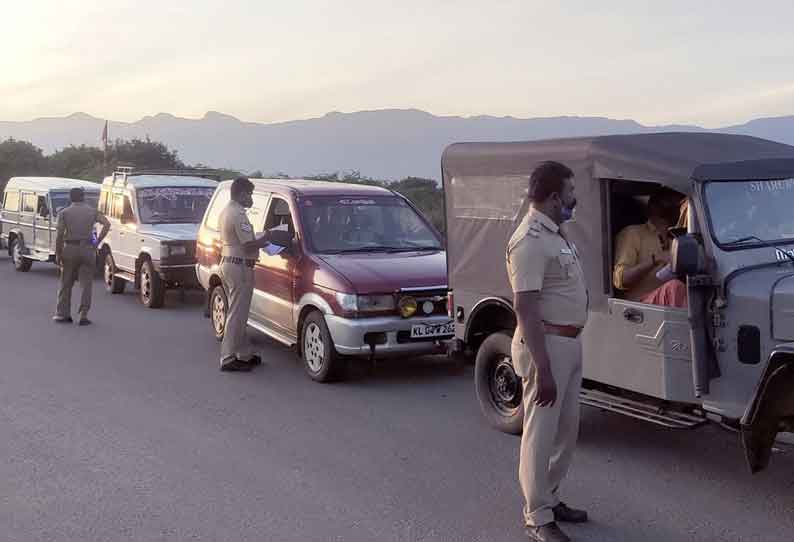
486,186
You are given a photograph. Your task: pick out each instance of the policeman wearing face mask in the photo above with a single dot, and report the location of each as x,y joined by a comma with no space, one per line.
550,301
239,252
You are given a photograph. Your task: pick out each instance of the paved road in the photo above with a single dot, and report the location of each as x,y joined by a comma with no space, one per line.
128,431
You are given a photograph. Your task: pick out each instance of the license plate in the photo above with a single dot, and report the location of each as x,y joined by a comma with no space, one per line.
432,330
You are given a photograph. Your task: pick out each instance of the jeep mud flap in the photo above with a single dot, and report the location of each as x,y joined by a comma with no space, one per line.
771,411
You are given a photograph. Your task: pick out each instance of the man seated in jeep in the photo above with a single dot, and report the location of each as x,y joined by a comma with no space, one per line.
641,251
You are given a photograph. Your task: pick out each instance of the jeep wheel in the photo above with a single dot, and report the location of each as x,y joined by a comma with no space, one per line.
152,287
219,309
113,284
320,358
21,263
499,388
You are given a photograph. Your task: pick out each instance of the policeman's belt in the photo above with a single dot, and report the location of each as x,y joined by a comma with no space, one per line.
77,242
570,332
238,261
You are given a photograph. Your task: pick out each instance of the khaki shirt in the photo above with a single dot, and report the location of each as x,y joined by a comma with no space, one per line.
540,259
633,246
76,223
236,230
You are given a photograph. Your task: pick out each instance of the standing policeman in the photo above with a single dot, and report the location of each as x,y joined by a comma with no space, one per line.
551,302
75,254
238,258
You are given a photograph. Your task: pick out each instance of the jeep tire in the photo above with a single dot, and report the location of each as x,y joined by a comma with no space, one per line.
21,263
152,288
113,284
499,389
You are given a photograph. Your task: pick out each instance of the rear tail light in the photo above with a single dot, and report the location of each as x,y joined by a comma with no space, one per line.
451,305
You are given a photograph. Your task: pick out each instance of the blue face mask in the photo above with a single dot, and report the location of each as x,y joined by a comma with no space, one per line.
567,211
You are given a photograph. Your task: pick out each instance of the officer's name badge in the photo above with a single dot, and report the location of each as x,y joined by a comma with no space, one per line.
246,227
566,251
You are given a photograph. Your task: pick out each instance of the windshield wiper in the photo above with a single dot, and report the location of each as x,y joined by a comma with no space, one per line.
768,244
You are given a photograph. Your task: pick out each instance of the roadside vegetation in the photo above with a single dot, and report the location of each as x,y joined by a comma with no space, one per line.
21,158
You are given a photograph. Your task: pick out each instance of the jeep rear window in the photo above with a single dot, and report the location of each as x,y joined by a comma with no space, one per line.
173,205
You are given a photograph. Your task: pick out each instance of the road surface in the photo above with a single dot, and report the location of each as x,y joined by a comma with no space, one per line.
126,430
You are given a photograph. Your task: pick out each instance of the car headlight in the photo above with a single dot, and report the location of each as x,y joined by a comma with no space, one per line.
365,303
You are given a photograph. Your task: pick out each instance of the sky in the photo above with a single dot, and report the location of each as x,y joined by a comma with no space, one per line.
711,63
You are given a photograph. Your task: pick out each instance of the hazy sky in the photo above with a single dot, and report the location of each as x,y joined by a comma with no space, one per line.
707,62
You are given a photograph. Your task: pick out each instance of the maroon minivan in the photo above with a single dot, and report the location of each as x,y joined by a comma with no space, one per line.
364,275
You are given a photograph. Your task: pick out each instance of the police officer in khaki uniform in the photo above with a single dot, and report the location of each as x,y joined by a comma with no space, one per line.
551,302
75,254
238,258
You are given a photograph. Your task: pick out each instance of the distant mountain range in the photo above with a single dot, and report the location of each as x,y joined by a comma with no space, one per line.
385,144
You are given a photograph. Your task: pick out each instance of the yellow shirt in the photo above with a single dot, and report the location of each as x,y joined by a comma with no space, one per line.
635,245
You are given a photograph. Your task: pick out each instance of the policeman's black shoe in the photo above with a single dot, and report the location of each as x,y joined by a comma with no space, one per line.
565,514
62,319
84,322
254,361
550,532
236,366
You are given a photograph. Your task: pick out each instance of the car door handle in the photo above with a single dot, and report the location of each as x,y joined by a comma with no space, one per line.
634,316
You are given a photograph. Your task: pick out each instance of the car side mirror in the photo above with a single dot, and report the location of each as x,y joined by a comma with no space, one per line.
687,257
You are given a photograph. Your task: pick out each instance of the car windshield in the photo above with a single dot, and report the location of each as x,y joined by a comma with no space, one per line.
173,205
742,213
365,224
61,200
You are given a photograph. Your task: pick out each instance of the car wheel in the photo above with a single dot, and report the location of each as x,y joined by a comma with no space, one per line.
21,263
152,289
113,284
320,359
219,310
499,388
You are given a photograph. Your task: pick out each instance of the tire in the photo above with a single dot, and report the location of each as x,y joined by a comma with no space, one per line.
21,263
320,358
219,310
499,389
113,284
152,289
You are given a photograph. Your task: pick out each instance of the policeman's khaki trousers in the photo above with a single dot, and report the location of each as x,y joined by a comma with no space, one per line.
79,261
550,433
238,282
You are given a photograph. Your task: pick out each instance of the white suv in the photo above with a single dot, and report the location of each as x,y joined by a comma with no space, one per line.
154,218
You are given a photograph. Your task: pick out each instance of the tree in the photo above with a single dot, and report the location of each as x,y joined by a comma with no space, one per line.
144,154
20,158
78,163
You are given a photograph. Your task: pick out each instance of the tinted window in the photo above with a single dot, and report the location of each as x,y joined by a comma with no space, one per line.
11,201
41,207
29,203
222,198
340,224
256,214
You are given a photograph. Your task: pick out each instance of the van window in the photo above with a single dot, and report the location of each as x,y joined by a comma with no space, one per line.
256,214
29,203
279,215
41,207
11,203
103,202
222,198
118,205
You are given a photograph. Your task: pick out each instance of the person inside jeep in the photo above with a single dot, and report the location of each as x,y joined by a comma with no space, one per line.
642,252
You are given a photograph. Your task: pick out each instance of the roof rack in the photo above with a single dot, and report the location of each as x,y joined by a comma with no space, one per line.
123,172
